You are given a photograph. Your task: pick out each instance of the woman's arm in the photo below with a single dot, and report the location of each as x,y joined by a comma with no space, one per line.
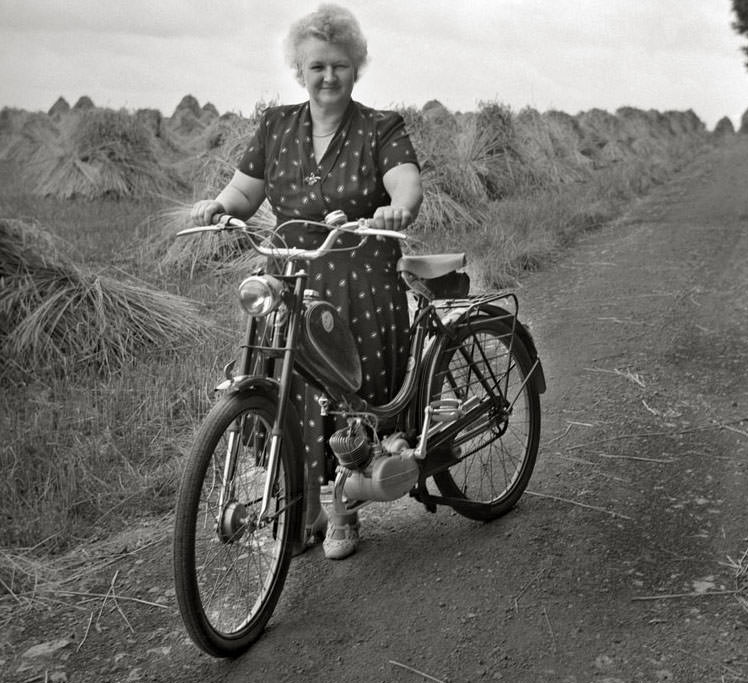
241,198
403,185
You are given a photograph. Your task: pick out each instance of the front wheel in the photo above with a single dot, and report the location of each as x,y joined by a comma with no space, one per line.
487,362
230,565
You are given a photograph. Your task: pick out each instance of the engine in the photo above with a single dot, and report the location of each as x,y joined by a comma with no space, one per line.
379,471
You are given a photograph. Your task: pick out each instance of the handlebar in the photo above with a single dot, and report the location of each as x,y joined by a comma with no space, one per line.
360,227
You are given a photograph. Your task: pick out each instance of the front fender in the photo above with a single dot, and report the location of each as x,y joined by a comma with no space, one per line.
291,431
240,385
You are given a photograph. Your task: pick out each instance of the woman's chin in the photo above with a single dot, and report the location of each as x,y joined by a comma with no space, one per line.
332,97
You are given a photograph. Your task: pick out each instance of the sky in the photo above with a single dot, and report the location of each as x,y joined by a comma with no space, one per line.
569,55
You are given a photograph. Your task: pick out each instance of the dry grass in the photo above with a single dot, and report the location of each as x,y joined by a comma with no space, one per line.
740,569
56,314
29,583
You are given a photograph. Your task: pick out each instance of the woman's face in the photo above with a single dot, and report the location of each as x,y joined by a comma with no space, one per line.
327,72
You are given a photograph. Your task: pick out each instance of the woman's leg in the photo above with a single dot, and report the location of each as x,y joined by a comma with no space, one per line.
312,428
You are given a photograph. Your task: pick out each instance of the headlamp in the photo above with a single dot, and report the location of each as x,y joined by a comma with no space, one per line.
260,294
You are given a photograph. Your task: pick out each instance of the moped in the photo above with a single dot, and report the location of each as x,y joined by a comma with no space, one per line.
466,416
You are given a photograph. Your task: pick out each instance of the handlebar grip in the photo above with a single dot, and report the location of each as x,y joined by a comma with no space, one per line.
226,219
219,221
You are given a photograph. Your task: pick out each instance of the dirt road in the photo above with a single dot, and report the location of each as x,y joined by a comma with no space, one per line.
640,492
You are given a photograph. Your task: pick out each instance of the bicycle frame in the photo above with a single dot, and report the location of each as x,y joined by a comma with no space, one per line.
270,362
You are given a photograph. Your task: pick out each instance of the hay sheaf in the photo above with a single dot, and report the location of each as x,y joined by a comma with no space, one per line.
101,153
57,315
444,207
151,119
27,136
724,127
84,103
604,140
190,120
220,146
466,161
549,147
189,104
209,110
11,120
59,108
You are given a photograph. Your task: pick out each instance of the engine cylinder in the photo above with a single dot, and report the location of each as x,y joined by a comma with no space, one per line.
351,447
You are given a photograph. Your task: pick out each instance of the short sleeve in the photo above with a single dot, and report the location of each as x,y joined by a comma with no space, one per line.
395,147
253,161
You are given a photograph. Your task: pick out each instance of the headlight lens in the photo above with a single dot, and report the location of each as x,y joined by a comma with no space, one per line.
260,294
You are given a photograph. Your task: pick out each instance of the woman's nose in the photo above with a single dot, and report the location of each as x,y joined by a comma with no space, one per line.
329,74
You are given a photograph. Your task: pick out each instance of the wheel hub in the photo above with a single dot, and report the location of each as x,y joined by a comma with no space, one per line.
500,417
235,522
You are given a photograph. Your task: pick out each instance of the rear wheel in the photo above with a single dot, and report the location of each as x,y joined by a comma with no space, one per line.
488,363
229,565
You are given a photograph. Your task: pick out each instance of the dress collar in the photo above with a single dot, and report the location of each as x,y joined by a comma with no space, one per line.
316,172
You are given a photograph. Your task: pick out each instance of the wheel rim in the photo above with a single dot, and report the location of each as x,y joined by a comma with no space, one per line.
237,559
493,451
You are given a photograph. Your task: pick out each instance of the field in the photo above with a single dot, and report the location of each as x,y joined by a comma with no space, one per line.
102,390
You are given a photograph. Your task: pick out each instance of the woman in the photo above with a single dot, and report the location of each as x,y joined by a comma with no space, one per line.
310,159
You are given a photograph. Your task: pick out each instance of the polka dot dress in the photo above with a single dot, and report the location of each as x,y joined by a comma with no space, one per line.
361,283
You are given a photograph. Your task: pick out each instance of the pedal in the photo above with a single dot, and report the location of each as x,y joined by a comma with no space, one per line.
445,410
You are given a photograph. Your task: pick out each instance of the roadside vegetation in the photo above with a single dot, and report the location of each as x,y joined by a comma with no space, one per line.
113,333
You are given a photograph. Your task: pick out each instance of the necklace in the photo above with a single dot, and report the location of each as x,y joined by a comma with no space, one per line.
326,135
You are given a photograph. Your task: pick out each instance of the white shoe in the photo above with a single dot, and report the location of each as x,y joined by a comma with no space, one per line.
341,540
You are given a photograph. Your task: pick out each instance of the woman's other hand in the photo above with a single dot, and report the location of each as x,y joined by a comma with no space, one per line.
392,218
403,185
203,211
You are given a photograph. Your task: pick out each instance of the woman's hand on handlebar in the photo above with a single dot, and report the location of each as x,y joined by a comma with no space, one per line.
391,218
205,211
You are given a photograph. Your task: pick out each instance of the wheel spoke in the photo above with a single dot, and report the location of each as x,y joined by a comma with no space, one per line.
497,452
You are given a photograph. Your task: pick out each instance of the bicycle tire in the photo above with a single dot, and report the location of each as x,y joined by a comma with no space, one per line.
229,571
497,453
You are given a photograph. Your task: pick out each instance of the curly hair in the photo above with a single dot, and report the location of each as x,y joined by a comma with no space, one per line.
333,24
